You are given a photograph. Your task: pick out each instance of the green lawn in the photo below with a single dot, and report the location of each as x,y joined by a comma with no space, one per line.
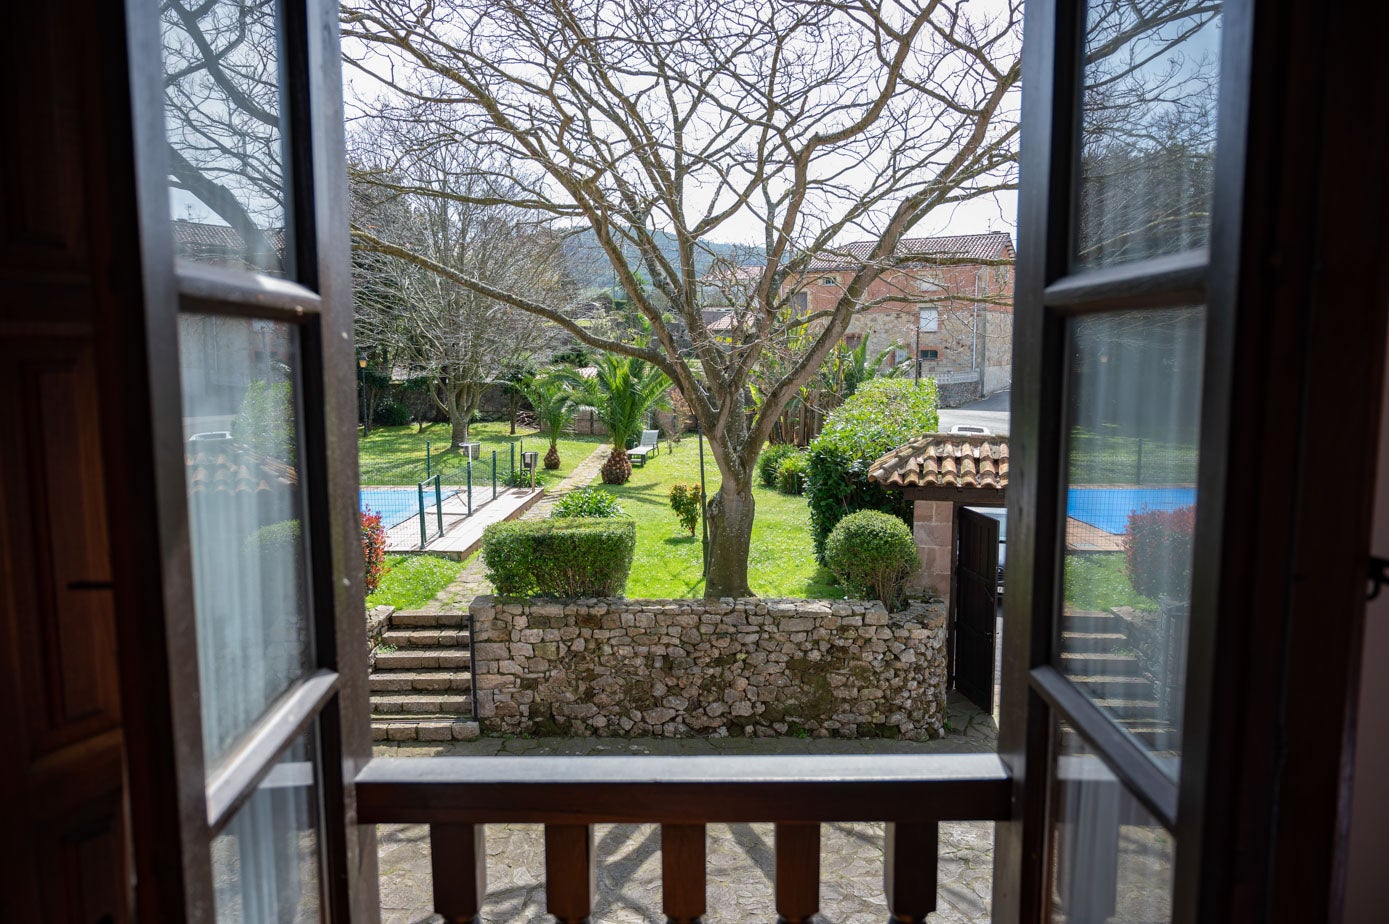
412,581
396,455
668,561
1100,457
1097,582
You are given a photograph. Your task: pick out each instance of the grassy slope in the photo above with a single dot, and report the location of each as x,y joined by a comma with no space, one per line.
411,581
1097,581
395,455
1103,458
667,562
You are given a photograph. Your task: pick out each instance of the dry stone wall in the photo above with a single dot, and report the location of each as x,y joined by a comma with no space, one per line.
678,668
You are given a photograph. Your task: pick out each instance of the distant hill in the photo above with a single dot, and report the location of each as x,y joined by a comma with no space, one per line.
592,270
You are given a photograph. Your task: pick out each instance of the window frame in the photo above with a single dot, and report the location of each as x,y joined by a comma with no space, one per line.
331,698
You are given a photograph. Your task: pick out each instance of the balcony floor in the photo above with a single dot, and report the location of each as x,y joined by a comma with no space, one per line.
739,856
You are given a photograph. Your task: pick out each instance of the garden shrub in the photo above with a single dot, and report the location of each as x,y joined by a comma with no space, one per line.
571,557
872,553
373,549
685,501
519,477
770,461
882,415
587,502
391,414
1157,551
790,475
265,421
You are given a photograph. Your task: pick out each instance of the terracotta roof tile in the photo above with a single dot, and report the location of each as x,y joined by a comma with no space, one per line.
945,460
994,245
221,468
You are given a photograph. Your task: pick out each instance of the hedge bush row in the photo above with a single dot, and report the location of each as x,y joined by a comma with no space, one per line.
872,553
770,461
790,475
574,557
882,415
587,502
1157,552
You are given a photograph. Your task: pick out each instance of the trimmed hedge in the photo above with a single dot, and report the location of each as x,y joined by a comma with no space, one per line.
576,557
790,475
1158,552
587,502
771,459
872,553
882,415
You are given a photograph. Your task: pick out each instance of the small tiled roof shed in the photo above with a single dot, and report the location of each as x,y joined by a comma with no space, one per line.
970,470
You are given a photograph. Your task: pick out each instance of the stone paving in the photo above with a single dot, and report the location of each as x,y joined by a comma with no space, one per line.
740,856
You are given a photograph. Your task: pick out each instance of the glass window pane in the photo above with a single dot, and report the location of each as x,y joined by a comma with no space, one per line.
266,862
1134,420
1111,859
241,451
223,123
1148,128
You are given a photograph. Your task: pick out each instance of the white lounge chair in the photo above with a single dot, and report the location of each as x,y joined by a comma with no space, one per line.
649,446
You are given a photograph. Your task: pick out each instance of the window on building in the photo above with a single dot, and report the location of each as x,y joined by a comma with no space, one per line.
929,320
827,280
800,301
929,356
853,340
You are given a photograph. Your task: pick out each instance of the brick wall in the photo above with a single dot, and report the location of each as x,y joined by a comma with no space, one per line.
933,527
677,668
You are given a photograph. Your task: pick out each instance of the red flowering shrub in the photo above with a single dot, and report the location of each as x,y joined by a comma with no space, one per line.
1157,551
373,549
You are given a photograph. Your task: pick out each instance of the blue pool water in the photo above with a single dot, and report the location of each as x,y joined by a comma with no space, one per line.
396,505
1109,508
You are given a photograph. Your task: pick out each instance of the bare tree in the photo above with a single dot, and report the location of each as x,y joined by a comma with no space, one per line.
797,123
462,340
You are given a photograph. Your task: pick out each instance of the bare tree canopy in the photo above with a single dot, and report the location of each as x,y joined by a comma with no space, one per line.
796,124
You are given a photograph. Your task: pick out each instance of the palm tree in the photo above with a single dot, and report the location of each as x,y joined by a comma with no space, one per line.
625,389
553,400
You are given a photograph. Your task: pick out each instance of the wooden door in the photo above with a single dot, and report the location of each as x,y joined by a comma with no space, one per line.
976,606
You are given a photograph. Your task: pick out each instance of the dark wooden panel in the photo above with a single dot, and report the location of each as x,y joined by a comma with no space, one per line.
570,872
682,873
797,872
677,790
458,865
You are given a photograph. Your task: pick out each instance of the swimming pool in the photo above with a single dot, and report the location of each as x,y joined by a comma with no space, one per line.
1108,508
396,505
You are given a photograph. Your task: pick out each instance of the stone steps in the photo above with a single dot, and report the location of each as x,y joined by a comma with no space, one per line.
426,619
1095,662
428,727
414,659
401,681
443,702
430,637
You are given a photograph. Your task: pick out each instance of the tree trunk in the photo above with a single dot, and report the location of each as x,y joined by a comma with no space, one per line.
730,539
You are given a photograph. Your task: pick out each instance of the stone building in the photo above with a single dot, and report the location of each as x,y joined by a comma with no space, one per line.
946,300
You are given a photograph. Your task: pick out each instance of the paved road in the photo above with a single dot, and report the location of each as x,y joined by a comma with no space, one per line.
991,412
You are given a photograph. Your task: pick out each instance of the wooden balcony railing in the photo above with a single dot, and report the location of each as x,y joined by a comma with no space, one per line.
456,796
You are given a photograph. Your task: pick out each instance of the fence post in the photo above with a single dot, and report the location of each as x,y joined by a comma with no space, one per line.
511,471
1138,475
439,503
428,460
424,537
494,474
470,487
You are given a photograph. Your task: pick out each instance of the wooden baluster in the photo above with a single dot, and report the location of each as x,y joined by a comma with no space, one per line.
570,874
458,863
910,859
682,873
797,872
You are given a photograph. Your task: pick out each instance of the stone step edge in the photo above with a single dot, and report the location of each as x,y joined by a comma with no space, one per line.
436,728
425,619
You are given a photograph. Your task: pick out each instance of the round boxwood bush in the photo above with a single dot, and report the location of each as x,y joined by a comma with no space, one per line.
882,415
391,414
872,553
770,461
790,475
587,502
